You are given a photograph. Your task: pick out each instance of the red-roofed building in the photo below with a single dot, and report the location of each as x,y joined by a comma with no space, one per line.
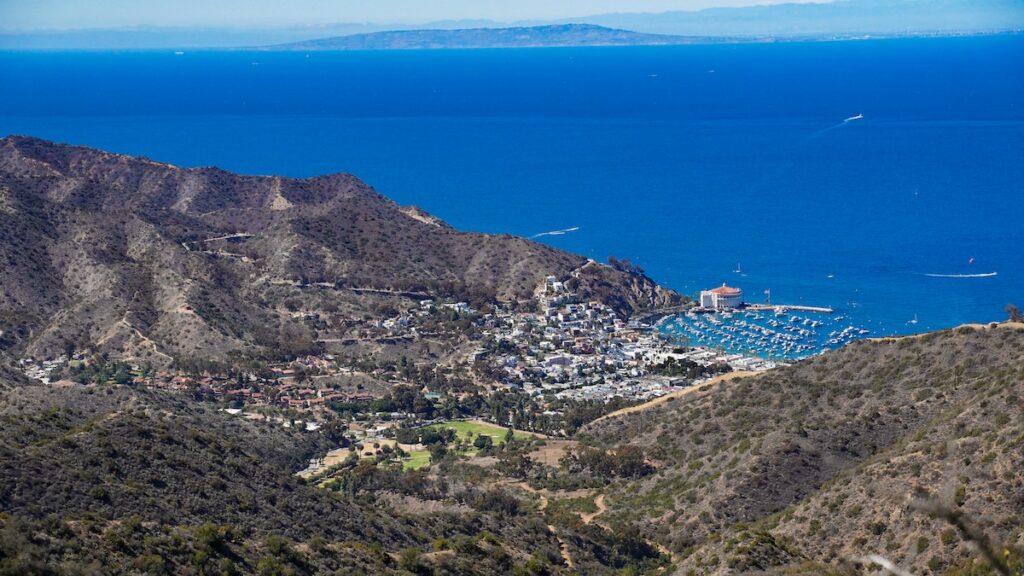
721,297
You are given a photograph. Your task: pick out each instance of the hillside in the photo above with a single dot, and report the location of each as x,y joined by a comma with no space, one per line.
557,35
110,480
9,373
793,471
155,263
835,456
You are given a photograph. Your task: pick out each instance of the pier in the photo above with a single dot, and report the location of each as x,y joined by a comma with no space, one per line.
788,307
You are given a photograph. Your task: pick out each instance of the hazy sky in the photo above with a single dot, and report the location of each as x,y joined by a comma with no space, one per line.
48,14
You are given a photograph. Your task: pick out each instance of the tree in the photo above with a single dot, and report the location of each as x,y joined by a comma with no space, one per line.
630,462
423,407
295,340
122,375
1013,313
438,452
404,397
515,464
69,348
483,442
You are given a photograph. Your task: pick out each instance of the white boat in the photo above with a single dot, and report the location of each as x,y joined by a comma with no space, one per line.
984,275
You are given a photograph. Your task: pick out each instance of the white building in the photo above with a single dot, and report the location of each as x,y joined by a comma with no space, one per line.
721,298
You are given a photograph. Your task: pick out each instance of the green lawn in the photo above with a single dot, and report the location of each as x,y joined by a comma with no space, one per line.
417,459
420,458
497,433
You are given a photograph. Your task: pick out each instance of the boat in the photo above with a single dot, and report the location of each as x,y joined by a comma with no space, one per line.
983,275
739,269
914,321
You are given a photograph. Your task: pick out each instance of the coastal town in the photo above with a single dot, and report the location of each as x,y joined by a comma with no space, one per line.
583,350
560,349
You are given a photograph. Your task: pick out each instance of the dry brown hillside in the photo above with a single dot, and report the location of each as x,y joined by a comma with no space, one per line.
153,262
114,480
10,375
807,466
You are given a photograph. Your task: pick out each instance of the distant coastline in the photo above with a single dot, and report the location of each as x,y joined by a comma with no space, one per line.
784,22
568,36
551,36
11,43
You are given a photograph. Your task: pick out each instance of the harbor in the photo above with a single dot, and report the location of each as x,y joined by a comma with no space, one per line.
771,331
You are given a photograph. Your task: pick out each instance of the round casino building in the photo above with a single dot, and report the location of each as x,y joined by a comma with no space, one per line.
721,298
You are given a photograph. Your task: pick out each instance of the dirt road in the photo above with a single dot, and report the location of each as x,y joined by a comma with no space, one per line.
678,394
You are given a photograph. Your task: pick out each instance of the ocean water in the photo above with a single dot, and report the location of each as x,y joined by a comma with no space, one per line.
690,161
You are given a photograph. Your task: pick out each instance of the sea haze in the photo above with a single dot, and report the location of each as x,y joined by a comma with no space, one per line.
687,160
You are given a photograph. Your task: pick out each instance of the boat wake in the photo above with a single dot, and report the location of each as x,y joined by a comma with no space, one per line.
555,232
835,126
984,275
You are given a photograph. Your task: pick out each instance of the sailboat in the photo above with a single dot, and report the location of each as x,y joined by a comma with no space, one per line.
739,269
914,321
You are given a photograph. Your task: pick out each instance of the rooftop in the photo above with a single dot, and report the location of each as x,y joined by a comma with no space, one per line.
724,290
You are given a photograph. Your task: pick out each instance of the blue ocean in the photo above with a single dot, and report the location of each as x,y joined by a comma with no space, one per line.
883,178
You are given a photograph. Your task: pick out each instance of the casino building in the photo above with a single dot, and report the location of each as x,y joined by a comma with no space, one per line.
721,298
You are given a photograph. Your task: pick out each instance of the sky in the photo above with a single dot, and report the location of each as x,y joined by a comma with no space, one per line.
25,15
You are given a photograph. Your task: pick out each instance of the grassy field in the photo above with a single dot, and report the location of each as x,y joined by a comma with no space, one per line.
417,459
497,433
465,431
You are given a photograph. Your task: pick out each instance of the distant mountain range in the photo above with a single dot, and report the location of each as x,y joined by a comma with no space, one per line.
825,20
519,37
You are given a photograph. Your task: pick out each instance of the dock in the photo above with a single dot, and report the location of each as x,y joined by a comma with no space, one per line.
787,307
